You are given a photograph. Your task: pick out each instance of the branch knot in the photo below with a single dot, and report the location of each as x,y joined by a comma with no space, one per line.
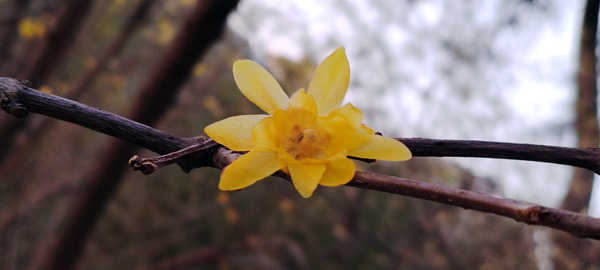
9,98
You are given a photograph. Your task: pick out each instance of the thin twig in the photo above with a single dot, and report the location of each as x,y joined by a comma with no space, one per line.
149,165
15,94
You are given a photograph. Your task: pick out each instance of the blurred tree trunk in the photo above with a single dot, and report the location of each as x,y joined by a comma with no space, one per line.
35,64
41,63
20,150
154,97
573,253
34,129
56,43
578,197
9,32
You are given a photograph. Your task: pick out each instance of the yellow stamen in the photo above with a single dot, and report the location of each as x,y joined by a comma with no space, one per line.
308,136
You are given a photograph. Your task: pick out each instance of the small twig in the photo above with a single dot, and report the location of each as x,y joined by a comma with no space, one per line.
149,165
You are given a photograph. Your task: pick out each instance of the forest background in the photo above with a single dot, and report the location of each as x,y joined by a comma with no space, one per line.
498,71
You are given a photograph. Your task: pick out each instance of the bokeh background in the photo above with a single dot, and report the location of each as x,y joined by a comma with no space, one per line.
477,70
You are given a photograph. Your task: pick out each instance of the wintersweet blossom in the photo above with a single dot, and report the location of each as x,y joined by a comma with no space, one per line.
308,136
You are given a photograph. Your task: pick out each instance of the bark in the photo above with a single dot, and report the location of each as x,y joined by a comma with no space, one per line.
155,96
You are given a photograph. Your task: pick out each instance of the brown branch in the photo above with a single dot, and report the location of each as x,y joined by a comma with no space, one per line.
19,99
529,213
16,97
15,92
587,158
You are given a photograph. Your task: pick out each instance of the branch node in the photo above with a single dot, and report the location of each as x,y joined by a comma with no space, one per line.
533,215
26,83
11,105
9,97
144,165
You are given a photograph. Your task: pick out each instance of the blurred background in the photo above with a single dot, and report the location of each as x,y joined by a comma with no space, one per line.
477,70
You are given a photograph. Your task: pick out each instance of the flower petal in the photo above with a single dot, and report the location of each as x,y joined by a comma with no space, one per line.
338,173
285,121
301,100
379,147
330,82
261,134
249,168
306,177
259,86
365,130
282,123
341,124
347,115
234,132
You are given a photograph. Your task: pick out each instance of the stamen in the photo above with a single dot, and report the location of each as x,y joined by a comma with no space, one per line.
308,136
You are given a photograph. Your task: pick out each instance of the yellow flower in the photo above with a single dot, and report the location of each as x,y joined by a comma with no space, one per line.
309,136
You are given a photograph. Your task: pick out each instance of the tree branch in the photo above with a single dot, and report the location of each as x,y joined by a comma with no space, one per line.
529,213
29,100
587,158
17,98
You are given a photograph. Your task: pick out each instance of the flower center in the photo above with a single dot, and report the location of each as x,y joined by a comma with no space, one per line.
304,142
308,136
